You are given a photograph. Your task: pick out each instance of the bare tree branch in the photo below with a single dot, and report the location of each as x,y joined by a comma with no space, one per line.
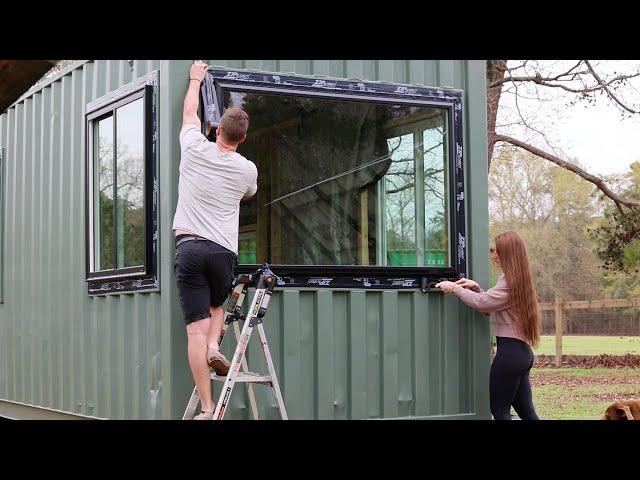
400,189
526,123
606,88
574,168
571,76
537,77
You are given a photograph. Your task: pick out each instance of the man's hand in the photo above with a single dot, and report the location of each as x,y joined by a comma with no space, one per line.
192,99
198,69
446,286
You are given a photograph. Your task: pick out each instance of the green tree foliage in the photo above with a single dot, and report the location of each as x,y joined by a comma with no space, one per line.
106,232
618,238
551,208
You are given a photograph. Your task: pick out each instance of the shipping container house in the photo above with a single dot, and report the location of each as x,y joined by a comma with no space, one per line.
372,186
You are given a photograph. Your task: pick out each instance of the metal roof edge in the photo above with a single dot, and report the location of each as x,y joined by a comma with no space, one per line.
35,89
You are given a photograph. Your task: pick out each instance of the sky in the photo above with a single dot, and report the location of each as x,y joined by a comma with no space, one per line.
596,134
600,139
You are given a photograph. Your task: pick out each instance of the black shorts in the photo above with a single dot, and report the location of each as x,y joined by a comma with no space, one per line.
204,275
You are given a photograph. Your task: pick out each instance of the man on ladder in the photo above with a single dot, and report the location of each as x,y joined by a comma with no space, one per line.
263,280
214,178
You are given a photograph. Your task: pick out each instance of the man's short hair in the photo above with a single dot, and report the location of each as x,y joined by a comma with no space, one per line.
234,124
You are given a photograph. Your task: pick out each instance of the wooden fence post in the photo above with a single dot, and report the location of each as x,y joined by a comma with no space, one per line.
557,308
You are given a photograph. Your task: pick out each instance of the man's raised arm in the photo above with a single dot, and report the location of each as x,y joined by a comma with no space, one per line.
192,99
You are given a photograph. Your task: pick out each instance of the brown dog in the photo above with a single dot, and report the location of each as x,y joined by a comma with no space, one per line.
628,410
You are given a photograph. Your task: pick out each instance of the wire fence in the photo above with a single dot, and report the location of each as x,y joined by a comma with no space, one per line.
577,331
614,321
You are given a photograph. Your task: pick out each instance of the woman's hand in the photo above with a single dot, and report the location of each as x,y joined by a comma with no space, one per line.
446,286
470,284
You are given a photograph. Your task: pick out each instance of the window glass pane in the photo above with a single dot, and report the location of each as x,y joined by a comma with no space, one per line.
130,186
399,196
103,194
247,247
339,182
436,195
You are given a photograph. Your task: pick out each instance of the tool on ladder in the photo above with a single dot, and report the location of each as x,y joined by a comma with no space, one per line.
264,281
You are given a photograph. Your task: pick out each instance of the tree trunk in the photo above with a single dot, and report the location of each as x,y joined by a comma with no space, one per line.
495,71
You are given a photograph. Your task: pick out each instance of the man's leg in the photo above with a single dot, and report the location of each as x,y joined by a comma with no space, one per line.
217,317
215,358
220,273
197,350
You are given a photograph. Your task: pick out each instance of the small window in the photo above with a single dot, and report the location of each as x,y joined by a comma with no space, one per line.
121,230
359,183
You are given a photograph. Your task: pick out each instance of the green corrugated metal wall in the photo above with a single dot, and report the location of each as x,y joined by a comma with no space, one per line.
357,354
339,354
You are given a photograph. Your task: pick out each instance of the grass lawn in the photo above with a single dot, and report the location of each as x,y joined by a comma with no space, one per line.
589,345
581,394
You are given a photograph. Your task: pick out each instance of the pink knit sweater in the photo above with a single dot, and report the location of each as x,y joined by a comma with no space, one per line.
494,301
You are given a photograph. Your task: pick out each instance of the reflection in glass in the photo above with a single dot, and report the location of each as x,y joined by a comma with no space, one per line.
247,248
103,200
436,193
341,182
400,215
130,184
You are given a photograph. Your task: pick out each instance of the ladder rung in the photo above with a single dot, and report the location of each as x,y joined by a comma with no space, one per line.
245,377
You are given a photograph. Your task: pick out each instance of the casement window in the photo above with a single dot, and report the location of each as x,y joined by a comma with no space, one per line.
121,210
359,184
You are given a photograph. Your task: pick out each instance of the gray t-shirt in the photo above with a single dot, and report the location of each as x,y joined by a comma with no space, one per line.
211,185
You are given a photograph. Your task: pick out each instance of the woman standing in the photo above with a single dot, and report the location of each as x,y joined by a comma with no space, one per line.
515,316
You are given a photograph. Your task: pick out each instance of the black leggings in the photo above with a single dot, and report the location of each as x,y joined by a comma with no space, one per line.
509,380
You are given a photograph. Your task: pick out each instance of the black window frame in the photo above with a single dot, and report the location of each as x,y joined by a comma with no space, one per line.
362,276
144,277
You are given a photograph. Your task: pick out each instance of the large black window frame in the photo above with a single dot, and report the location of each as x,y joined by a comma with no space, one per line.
143,276
362,276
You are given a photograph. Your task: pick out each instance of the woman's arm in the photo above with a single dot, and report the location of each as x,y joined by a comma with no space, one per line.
494,299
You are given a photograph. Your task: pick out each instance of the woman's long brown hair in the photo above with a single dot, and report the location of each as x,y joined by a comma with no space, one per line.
512,252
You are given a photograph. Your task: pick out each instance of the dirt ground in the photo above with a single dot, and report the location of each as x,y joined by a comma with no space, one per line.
590,361
589,381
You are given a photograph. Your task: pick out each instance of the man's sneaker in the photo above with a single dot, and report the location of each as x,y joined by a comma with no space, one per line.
204,416
218,362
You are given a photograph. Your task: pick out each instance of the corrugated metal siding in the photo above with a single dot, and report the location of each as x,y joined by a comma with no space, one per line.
338,354
62,349
385,354
450,73
363,354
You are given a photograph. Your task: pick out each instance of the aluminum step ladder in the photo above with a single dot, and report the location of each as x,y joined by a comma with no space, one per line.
264,281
